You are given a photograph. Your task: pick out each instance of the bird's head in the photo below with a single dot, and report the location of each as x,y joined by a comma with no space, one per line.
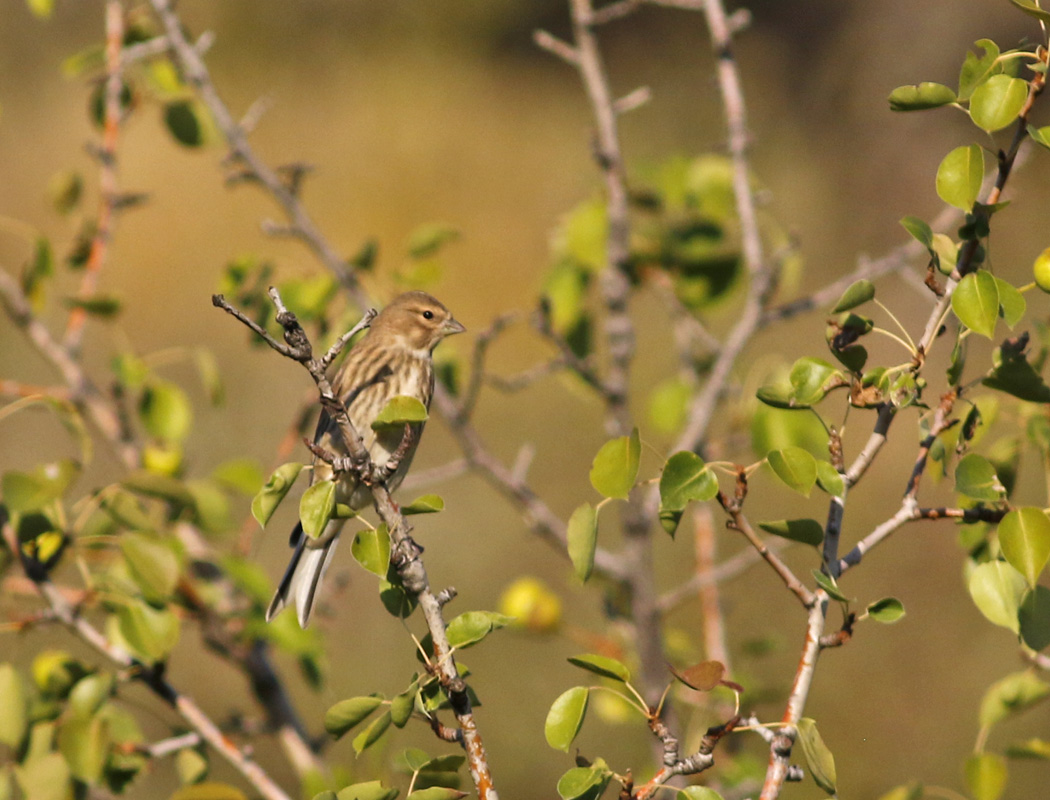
415,320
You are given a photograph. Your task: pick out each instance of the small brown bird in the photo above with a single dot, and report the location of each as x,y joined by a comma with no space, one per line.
393,358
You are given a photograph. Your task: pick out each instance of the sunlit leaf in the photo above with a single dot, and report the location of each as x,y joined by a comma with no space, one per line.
986,776
582,534
270,496
471,627
565,718
685,478
975,302
316,507
347,714
1024,536
997,590
997,102
888,609
819,758
858,293
371,549
615,467
14,701
975,477
959,176
398,411
602,665
370,735
917,98
1014,693
425,504
165,411
795,467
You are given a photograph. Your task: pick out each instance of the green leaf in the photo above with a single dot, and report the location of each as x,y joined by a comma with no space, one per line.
347,714
271,495
1024,536
986,776
582,235
240,475
685,477
919,231
1015,376
918,98
582,537
669,404
41,8
183,121
827,583
211,379
1032,9
959,176
370,735
1030,748
807,531
84,742
887,610
698,793
1010,695
399,411
471,627
997,589
602,665
909,791
858,293
402,706
32,491
426,504
436,793
152,564
45,778
975,302
1034,618
584,783
367,790
819,758
90,692
975,70
811,379
997,102
795,467
426,240
1011,302
165,411
615,468
1041,136
946,252
975,477
565,718
99,305
316,507
830,479
371,549
149,632
191,766
15,703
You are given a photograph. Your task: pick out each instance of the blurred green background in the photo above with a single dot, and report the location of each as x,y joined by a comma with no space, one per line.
417,112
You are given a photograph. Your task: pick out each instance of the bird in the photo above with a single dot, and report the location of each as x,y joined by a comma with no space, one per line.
393,358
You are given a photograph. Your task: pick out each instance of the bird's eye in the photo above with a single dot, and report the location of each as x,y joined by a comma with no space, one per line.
428,314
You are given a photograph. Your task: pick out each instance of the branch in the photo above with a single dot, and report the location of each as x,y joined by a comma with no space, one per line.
194,70
152,676
107,178
405,553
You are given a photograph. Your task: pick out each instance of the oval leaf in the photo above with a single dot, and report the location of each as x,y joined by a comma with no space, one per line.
1009,695
997,102
615,468
997,589
795,467
1011,302
1034,618
271,495
427,504
685,477
316,507
565,718
975,302
888,609
830,479
165,411
959,176
602,665
584,782
347,714
370,735
583,540
818,756
372,550
473,626
15,704
400,410
807,531
152,564
917,98
1024,536
975,477
857,294
986,776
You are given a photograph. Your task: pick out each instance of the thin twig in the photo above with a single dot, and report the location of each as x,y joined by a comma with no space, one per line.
107,175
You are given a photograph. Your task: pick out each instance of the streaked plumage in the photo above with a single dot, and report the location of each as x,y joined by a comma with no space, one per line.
393,358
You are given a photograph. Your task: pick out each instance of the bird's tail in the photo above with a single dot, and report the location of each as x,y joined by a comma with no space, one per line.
304,574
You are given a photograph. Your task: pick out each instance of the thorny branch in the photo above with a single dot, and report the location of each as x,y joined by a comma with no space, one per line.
405,553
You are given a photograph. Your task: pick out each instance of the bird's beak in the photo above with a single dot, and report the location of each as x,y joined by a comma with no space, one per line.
452,326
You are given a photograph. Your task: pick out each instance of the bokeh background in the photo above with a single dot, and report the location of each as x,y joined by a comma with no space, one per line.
419,112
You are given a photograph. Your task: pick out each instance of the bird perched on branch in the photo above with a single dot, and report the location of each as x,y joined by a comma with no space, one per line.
392,359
